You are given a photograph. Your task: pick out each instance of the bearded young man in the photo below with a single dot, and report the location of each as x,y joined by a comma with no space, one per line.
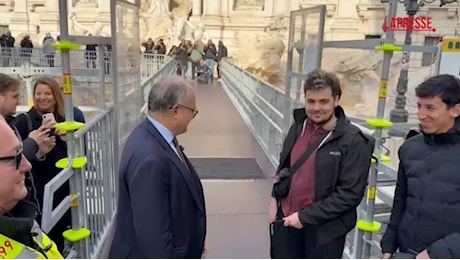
321,177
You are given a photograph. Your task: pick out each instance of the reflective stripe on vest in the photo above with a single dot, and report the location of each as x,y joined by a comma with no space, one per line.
12,249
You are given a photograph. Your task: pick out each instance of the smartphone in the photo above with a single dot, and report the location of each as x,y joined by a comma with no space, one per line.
49,117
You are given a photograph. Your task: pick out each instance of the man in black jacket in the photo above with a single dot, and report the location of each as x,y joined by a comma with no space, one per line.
425,219
312,220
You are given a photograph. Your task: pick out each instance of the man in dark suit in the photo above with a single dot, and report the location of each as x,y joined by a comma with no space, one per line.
161,208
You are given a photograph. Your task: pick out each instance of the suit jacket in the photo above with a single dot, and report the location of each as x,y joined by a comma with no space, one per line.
161,209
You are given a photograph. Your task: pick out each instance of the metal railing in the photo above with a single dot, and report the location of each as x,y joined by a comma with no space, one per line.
96,190
260,105
79,59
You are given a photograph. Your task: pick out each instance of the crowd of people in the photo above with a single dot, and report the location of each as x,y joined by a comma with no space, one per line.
201,58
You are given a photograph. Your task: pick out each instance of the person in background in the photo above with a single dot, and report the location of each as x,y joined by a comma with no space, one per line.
26,50
48,99
210,55
172,52
182,55
222,54
203,73
20,235
48,51
160,48
149,46
424,220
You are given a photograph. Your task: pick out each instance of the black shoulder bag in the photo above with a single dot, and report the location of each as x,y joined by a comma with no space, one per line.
283,177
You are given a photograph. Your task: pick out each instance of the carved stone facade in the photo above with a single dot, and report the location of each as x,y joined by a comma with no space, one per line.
240,24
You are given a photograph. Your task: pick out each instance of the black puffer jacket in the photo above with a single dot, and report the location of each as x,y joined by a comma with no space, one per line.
426,209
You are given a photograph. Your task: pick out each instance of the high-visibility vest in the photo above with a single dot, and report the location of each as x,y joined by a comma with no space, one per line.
12,249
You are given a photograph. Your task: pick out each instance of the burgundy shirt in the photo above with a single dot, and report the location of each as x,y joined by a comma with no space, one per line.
302,191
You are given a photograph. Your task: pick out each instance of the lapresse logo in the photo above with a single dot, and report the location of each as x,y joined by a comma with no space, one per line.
403,24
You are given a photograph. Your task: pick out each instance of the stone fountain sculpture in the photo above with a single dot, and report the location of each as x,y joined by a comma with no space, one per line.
177,31
265,57
157,9
95,30
158,20
268,64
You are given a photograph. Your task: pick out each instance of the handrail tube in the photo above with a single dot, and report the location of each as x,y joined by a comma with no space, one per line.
266,117
52,186
254,77
88,126
60,210
265,102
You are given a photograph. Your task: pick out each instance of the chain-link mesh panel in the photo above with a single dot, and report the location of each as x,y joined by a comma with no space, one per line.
129,69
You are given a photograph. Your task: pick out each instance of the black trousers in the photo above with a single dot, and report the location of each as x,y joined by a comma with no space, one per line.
292,243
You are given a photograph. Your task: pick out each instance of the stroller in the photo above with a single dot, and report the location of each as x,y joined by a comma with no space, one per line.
204,75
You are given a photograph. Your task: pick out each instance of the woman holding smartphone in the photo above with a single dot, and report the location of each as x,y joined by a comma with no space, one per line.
48,109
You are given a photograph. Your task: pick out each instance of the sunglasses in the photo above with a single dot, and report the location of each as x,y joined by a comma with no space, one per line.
16,158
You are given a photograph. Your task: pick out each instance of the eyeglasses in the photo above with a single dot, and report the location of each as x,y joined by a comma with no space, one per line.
194,111
17,158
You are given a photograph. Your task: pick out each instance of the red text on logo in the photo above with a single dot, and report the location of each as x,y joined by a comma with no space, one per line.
418,23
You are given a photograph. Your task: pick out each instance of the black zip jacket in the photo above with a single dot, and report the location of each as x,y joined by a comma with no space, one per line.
342,167
29,146
426,205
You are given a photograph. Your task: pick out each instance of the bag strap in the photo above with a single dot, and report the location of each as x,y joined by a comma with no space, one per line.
311,148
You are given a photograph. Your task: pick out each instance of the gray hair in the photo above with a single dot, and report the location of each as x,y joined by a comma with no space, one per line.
166,93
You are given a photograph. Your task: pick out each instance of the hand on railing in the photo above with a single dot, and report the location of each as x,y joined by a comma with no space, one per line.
61,134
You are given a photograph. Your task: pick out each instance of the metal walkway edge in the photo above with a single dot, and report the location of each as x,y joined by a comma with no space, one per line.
237,209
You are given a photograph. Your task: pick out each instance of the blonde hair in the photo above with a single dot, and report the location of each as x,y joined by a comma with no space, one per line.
57,94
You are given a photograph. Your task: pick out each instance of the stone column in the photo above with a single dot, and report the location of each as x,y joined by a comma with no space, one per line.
19,20
197,7
280,7
212,10
49,19
104,6
212,7
345,26
104,11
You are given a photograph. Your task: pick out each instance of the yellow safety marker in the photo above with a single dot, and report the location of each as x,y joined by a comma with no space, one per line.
373,227
76,235
379,123
74,200
77,163
67,84
383,89
65,45
388,48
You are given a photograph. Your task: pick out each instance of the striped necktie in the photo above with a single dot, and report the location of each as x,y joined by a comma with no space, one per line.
179,151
